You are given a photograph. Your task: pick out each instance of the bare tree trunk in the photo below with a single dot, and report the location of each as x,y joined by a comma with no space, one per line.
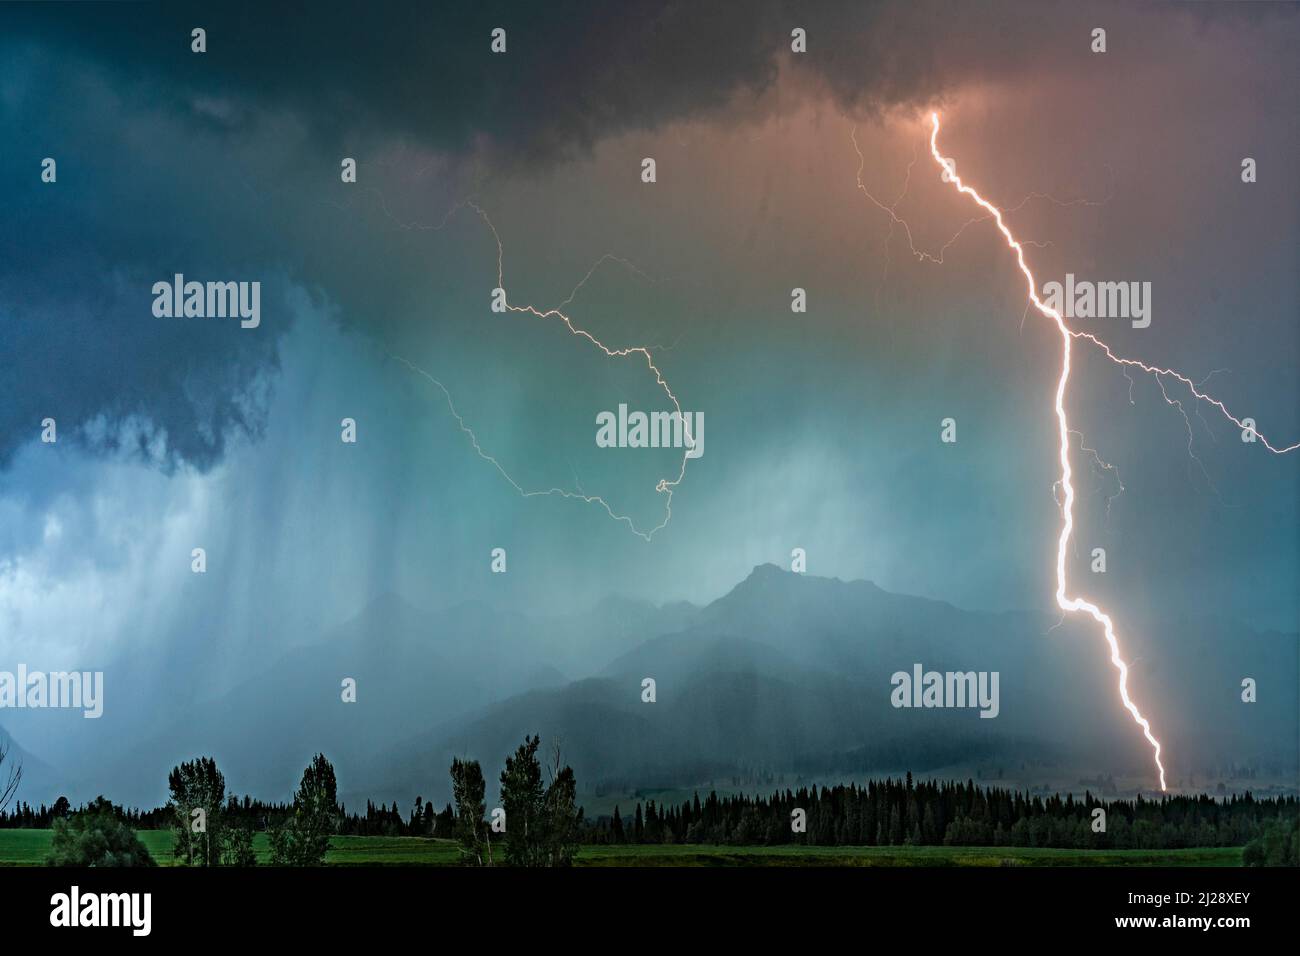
10,786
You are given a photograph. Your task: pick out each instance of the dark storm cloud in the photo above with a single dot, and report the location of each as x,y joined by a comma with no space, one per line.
172,162
869,58
575,71
78,259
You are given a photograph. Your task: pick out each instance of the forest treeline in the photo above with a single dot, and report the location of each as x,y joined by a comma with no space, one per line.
888,812
897,812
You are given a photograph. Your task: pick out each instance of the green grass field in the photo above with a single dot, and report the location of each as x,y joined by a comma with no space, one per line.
29,847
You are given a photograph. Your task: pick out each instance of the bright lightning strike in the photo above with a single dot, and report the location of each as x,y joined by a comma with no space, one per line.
1069,604
1063,600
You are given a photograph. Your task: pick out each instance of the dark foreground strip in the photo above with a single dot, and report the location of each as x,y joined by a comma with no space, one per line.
361,903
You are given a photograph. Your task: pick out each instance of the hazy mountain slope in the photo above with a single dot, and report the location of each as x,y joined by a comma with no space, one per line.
414,670
785,673
788,672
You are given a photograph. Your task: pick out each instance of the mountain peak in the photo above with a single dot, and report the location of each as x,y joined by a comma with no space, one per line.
768,574
769,583
765,579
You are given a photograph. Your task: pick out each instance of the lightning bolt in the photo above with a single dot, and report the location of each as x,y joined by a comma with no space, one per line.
664,486
1067,603
896,220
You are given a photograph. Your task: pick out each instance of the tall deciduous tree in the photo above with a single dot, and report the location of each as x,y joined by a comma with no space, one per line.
198,793
304,838
562,816
543,824
468,789
522,798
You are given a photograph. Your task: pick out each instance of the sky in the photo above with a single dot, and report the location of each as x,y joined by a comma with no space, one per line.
822,427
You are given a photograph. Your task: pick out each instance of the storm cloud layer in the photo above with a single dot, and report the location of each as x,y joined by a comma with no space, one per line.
137,122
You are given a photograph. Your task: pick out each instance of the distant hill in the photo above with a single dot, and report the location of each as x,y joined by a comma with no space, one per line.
414,670
784,674
790,673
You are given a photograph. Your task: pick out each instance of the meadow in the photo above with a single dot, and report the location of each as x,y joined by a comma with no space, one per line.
29,847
